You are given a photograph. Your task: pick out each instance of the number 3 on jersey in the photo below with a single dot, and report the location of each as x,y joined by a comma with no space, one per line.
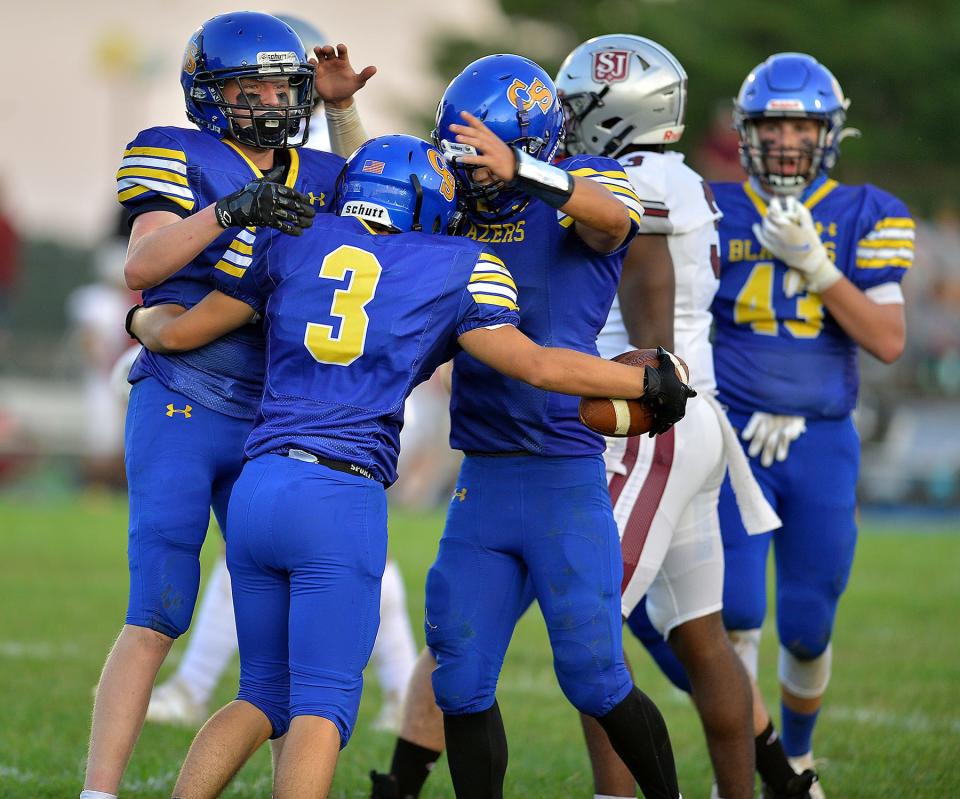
754,306
363,270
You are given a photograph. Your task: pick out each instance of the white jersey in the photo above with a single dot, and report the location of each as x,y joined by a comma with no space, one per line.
678,204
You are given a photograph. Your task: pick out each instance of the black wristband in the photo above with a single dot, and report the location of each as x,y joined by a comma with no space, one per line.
129,321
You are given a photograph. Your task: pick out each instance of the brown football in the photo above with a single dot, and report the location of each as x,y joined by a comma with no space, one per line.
626,417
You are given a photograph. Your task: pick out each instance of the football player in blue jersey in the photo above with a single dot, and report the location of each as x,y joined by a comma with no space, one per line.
354,321
198,200
811,273
531,514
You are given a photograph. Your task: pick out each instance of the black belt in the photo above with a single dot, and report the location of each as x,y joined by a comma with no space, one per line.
517,453
337,466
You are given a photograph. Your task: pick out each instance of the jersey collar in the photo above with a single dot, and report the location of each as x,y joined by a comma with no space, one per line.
812,195
292,171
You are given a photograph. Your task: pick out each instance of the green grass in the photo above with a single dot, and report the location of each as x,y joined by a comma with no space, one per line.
890,728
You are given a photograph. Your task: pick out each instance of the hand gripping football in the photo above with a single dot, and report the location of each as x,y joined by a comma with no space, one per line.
626,417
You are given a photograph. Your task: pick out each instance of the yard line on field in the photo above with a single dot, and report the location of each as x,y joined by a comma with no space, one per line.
155,783
912,722
38,650
16,774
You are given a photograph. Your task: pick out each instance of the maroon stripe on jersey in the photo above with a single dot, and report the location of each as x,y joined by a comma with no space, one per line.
644,509
648,211
618,481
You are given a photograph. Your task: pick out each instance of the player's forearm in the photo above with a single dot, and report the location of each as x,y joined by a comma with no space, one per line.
879,329
169,328
345,127
570,372
602,220
163,251
152,326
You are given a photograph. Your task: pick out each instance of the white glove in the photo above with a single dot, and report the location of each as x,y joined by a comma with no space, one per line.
772,434
788,231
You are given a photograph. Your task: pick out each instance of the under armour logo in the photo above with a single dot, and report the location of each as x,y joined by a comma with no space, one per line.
185,411
317,199
460,494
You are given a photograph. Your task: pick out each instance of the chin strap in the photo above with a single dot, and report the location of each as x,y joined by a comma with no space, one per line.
418,203
545,182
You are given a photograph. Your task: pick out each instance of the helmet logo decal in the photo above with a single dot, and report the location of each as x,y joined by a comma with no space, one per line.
273,62
524,98
440,167
611,66
374,167
779,104
190,58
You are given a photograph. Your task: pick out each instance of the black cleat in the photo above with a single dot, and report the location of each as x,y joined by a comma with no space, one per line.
384,786
798,787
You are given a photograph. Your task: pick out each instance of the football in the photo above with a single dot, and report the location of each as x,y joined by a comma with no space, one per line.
626,417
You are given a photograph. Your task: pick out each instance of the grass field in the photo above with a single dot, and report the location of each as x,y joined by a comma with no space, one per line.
891,727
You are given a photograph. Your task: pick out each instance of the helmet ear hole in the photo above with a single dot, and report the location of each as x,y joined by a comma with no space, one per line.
612,122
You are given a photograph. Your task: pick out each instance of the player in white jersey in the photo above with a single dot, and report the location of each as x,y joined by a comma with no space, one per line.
665,490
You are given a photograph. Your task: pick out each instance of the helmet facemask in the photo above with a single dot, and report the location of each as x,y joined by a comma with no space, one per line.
251,122
491,201
575,109
785,170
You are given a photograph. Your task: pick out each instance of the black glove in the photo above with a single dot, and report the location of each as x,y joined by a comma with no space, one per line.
265,203
664,393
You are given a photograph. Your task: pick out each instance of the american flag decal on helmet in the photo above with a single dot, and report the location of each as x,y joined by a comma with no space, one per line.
376,167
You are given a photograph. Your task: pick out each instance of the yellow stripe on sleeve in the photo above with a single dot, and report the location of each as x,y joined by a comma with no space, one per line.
634,215
238,246
895,221
620,190
185,204
493,299
882,263
503,280
886,244
491,259
229,268
129,194
149,172
567,221
586,172
159,152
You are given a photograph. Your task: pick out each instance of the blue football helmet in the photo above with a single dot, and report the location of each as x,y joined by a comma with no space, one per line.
398,182
790,85
517,100
248,44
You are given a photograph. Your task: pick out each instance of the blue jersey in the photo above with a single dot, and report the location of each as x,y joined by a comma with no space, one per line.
790,356
184,170
566,290
354,322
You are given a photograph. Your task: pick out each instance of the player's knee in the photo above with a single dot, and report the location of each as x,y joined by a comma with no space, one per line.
592,679
806,624
743,613
338,701
746,643
806,678
271,699
462,680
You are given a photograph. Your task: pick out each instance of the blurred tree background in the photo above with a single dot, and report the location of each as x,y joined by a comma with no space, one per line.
899,63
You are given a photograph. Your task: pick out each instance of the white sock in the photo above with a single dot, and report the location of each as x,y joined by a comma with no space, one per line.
608,796
394,651
97,795
213,638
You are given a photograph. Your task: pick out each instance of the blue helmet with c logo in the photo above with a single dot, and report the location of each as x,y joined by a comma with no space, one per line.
517,100
260,48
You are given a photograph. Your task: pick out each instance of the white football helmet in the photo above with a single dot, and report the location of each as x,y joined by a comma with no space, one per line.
619,90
